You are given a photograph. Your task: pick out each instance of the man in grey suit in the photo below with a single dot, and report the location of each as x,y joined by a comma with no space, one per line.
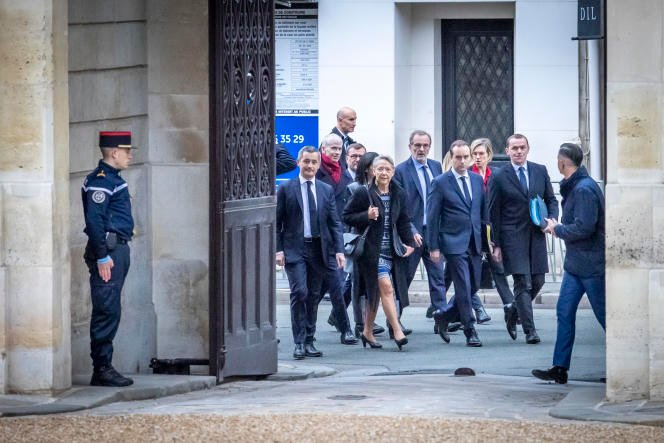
518,243
455,213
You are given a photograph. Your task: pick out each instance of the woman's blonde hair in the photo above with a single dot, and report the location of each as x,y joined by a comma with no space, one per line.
482,142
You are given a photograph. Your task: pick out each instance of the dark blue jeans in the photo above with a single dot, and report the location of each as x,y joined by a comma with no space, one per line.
106,306
571,291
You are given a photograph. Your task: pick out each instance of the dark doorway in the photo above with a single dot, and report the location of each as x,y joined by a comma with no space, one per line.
478,81
242,188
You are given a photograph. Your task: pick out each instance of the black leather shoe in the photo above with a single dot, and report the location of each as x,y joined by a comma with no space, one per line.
311,351
378,329
405,330
481,316
430,310
532,338
108,376
443,323
333,322
472,340
298,352
510,319
347,338
372,344
556,373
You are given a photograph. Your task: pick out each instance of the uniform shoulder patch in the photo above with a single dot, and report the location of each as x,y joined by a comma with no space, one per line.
98,197
101,174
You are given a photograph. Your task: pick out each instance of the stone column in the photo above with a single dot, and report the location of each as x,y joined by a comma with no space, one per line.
34,200
635,201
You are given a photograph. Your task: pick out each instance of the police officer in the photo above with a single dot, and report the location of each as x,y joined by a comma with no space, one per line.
109,226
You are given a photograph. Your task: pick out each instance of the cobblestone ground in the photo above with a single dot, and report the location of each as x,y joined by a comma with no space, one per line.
313,428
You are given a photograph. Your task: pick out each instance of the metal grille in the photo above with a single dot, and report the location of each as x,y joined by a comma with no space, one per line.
247,99
483,84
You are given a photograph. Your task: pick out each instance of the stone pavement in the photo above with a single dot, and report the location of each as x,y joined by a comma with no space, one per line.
353,394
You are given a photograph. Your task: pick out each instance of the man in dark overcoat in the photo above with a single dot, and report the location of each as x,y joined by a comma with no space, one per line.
518,242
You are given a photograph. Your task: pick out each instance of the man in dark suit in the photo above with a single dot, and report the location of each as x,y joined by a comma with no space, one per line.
334,174
455,213
346,120
518,243
415,176
310,246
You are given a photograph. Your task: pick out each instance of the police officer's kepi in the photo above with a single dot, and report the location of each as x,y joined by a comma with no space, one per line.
115,139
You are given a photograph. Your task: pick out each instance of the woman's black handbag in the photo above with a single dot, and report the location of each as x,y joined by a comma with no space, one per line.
354,243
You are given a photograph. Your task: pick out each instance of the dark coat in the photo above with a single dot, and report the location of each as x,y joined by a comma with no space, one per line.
365,267
408,177
582,226
340,189
285,161
451,220
342,160
523,244
290,222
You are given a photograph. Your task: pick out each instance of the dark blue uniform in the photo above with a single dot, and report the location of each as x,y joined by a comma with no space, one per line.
107,210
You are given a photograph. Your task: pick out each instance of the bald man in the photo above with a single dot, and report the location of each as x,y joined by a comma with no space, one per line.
346,119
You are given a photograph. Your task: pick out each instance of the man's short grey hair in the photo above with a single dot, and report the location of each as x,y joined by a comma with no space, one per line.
416,133
329,139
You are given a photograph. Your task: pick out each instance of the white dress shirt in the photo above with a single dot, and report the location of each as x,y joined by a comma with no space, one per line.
458,176
525,172
305,202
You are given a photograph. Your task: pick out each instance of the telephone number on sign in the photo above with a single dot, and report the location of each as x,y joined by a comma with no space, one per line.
289,138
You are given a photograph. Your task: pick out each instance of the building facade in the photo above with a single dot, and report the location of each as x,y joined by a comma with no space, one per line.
75,67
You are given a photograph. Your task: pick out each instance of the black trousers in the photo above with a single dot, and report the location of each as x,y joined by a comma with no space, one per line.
306,279
526,288
106,306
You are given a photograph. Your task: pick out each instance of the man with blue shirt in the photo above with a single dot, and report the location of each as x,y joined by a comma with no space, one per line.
582,229
109,226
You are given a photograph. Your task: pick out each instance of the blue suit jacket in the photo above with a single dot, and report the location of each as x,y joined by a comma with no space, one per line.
290,222
451,220
406,174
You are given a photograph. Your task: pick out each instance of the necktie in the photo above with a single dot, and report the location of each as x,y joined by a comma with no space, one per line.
466,193
427,181
345,144
522,179
313,218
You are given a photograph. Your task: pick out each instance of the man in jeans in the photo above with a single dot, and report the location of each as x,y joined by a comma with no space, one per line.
582,229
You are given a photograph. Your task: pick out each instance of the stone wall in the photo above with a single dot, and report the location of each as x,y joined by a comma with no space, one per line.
108,91
34,253
635,201
178,129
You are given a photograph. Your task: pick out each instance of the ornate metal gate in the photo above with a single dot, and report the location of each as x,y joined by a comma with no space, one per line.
242,188
478,80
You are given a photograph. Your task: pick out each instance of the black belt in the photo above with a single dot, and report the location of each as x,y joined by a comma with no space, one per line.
311,239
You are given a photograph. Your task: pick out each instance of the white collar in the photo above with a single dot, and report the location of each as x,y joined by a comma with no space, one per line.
304,180
457,175
516,167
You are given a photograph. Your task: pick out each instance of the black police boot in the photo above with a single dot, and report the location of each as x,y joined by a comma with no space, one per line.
108,376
